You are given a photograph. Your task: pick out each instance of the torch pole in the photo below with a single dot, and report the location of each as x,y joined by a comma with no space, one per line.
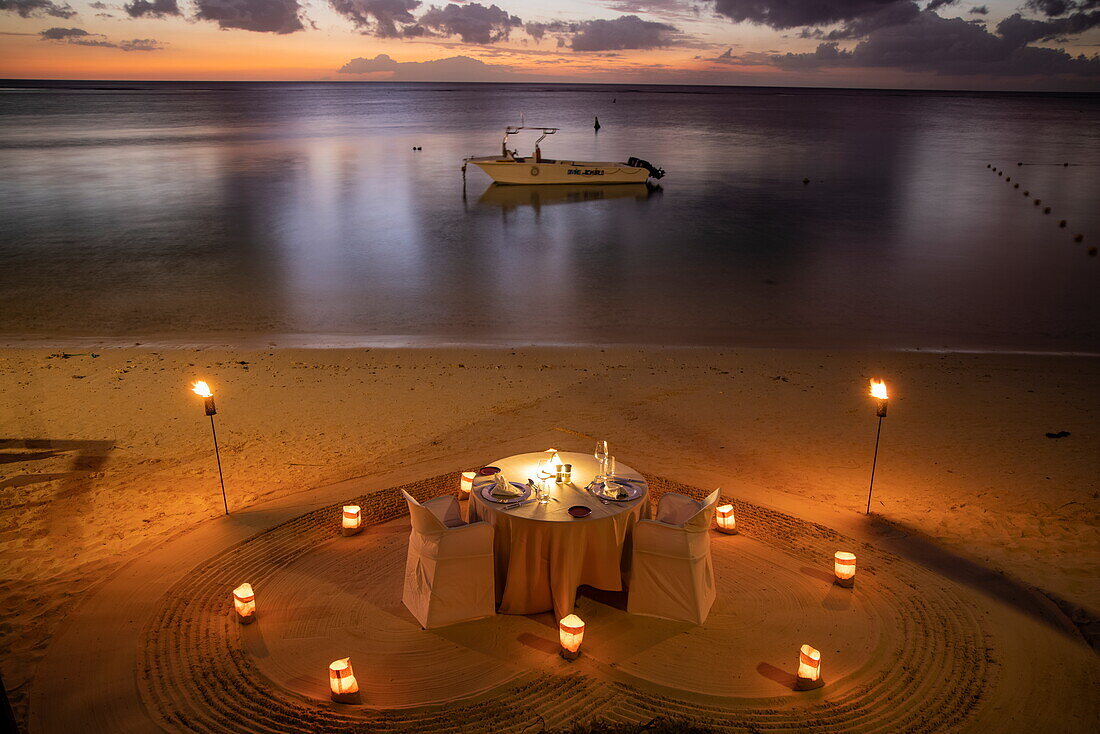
878,434
221,479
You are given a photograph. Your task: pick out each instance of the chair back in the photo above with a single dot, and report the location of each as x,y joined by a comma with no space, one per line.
423,521
701,520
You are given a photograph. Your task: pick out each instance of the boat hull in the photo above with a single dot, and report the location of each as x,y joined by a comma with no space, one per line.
505,171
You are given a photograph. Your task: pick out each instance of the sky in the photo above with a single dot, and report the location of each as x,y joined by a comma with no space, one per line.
930,44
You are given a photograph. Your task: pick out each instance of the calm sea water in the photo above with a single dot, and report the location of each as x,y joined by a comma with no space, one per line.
300,213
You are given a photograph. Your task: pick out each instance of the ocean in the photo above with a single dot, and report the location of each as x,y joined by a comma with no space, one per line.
301,214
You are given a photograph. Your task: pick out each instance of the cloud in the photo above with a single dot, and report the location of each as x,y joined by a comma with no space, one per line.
261,16
455,68
1025,30
381,17
32,8
473,22
154,9
895,13
626,31
81,37
979,10
948,46
783,14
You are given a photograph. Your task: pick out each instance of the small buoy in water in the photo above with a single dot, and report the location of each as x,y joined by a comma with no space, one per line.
1026,193
805,180
1066,165
596,125
1000,173
1038,202
989,165
1078,237
1019,164
1009,178
1046,210
1062,223
1092,252
1015,186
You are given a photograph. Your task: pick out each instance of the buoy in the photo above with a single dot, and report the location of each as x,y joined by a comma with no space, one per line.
1026,193
1046,210
1009,178
1038,202
1066,165
989,165
1092,252
1019,164
1015,186
1062,223
596,125
1078,237
805,180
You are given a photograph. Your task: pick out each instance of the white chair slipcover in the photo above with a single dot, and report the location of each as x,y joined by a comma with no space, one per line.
449,569
672,575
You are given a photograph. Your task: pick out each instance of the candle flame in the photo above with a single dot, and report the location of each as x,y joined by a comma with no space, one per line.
878,389
201,389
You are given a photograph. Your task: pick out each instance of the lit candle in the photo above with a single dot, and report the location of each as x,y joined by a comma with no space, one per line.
467,483
727,523
341,681
350,522
809,668
844,566
244,601
570,634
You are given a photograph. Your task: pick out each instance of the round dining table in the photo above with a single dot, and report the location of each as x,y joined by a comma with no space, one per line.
543,553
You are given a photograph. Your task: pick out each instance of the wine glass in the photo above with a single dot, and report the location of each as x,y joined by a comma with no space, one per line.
600,454
543,472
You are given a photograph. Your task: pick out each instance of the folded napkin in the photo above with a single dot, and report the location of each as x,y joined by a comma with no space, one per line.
503,488
614,489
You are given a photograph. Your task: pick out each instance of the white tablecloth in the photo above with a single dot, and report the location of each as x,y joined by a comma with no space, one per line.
542,552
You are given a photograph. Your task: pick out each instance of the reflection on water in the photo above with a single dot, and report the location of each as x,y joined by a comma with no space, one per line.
283,208
509,197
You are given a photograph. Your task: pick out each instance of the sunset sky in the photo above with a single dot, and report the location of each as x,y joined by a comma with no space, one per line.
994,44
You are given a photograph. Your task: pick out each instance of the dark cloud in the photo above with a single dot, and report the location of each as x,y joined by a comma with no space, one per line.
81,37
472,22
949,46
979,10
626,31
937,4
782,14
383,18
154,9
262,16
1020,30
99,6
32,8
455,68
893,14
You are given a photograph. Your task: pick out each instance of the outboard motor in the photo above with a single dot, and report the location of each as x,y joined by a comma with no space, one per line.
654,172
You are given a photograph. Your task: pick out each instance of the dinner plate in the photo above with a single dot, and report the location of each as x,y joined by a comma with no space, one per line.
487,492
633,491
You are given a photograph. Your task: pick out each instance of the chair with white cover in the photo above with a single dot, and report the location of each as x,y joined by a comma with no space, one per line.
449,569
672,575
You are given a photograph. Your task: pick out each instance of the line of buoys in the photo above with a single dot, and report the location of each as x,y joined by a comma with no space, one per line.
1079,237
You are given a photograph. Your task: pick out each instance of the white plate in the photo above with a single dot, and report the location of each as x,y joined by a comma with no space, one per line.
487,492
633,491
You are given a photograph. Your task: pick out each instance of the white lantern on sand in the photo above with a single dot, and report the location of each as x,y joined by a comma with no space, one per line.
244,601
351,520
844,567
341,681
809,668
727,522
467,483
570,634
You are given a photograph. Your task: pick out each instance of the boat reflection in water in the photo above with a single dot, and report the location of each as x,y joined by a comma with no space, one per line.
509,197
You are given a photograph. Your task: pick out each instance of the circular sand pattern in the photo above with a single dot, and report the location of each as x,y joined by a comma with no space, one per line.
321,596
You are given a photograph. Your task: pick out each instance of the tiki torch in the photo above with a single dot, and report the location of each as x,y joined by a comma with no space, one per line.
201,389
878,392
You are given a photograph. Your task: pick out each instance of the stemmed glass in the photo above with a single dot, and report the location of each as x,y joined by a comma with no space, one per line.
543,472
601,455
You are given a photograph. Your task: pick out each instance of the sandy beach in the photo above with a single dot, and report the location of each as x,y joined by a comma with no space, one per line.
106,454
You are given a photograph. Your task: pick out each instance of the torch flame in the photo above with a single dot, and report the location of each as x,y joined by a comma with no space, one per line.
878,389
201,389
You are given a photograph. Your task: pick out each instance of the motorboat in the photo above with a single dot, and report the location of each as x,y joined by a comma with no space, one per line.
511,168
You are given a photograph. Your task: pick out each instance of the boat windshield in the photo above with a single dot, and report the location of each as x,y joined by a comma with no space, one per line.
514,129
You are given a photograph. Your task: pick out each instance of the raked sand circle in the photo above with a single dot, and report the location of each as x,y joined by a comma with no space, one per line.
321,596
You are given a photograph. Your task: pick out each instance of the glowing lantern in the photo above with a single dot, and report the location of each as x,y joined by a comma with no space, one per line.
350,521
809,668
844,566
727,523
201,389
244,601
555,460
467,483
878,391
570,633
341,680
